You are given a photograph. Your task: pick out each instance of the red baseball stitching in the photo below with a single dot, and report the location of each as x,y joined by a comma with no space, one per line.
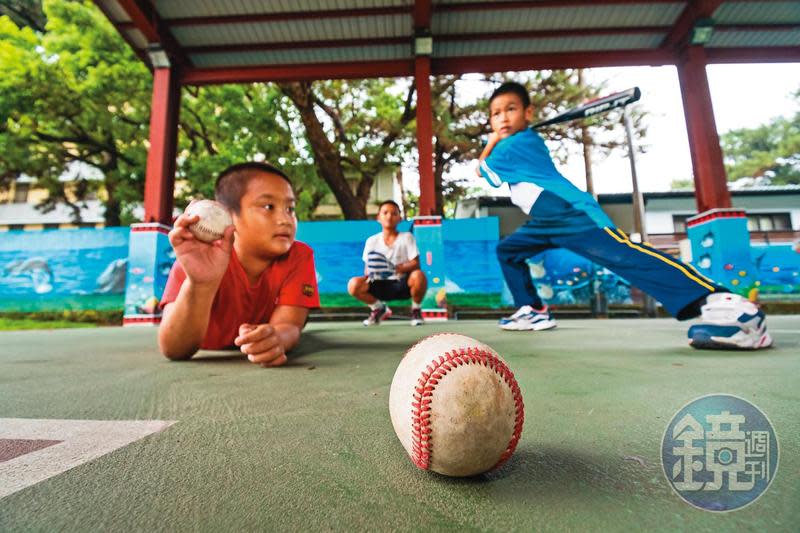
421,443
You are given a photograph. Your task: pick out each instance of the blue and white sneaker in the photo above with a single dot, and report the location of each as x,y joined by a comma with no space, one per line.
528,319
730,322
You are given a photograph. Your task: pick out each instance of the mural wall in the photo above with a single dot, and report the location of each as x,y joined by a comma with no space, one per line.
86,268
63,269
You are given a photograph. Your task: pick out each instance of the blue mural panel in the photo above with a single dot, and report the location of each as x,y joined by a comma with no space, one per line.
53,270
721,250
63,269
151,258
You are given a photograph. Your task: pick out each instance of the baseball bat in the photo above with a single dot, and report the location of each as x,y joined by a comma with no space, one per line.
593,107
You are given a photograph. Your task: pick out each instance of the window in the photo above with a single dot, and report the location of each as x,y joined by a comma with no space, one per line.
755,222
769,222
21,192
679,223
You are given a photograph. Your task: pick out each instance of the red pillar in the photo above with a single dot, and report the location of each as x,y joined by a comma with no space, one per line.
159,186
710,180
422,74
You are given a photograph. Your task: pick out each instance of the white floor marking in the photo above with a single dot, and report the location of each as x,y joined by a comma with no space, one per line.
83,441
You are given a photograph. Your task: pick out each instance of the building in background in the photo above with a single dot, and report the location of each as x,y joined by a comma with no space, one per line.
773,213
387,186
18,209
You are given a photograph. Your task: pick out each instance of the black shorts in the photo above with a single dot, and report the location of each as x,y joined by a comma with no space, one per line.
390,289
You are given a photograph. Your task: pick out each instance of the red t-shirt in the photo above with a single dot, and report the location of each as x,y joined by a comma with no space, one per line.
290,280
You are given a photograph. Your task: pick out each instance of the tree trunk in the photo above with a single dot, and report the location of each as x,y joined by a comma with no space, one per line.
326,156
398,176
113,211
586,139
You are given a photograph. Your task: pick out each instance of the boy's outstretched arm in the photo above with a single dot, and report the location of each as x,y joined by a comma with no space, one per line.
490,144
184,321
267,344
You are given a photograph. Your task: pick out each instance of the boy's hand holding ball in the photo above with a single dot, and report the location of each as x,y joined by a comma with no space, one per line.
203,240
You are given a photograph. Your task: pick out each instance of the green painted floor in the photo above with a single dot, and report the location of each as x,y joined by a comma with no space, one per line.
310,446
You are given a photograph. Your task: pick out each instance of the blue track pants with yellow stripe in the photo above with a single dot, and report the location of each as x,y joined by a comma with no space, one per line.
678,286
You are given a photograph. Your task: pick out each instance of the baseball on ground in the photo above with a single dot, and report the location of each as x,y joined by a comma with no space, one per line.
456,406
214,218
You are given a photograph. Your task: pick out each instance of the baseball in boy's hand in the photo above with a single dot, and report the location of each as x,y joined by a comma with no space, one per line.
214,218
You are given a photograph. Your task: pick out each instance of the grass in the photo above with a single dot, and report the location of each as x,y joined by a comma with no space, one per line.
12,324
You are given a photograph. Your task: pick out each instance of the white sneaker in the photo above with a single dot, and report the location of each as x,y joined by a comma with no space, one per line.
416,317
730,321
528,319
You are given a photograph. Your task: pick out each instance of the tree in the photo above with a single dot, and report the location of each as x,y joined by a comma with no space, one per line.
77,93
227,124
25,13
457,128
771,151
73,94
353,129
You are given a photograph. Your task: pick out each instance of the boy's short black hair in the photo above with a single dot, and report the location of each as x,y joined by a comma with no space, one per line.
390,202
514,88
232,182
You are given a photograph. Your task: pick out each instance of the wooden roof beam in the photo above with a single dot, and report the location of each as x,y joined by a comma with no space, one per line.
289,15
146,20
300,72
541,4
682,29
765,54
522,62
423,12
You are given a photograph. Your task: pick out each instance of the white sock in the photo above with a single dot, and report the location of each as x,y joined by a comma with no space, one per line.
415,305
376,305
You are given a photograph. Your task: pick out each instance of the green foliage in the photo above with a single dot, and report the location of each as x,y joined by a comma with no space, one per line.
15,324
771,150
223,125
355,130
77,93
25,13
88,317
73,94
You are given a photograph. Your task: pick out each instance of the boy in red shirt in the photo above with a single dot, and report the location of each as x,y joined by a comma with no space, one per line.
252,288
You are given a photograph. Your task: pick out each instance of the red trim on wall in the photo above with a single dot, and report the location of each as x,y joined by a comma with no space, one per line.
703,218
428,221
150,228
141,320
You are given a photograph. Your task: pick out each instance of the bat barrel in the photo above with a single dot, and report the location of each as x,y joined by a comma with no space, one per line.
595,107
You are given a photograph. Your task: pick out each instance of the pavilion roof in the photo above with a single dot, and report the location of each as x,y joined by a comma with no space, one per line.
269,40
